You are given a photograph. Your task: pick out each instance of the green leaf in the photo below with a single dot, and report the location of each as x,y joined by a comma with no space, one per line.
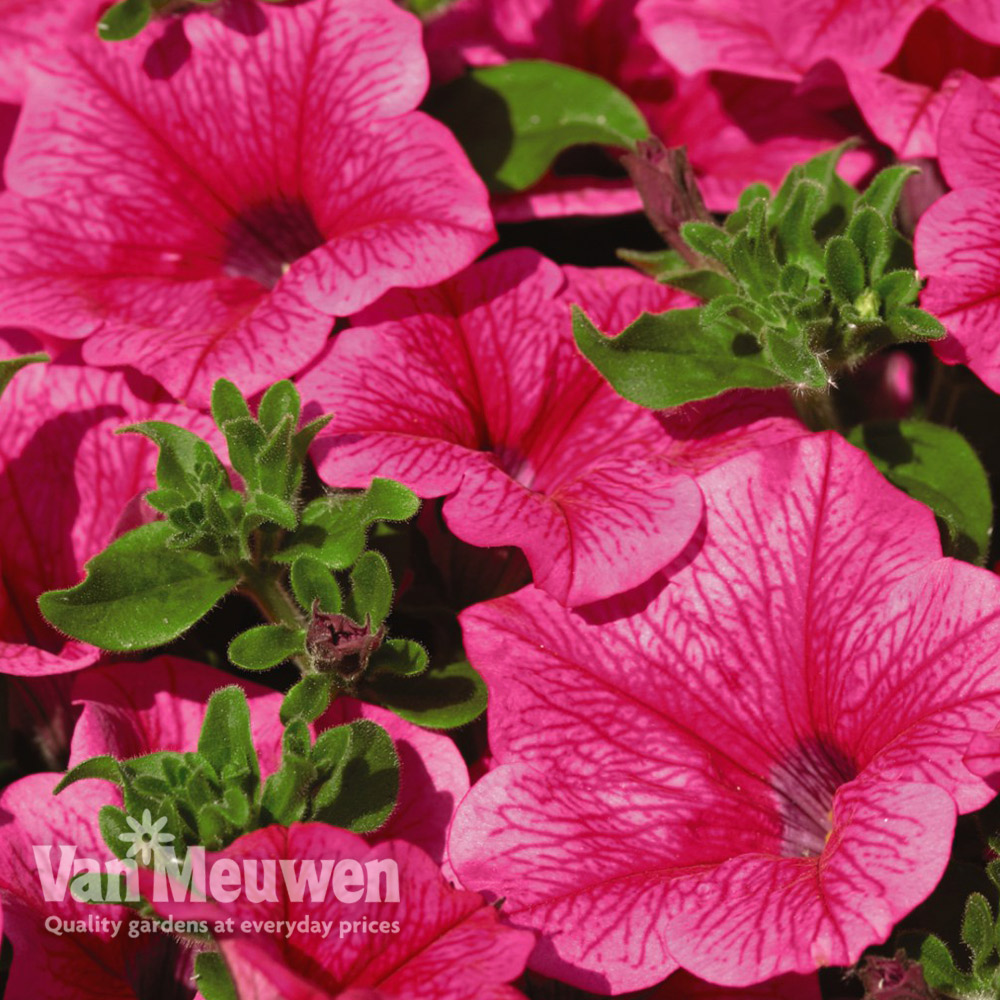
514,120
228,403
124,20
113,822
104,767
271,508
438,699
138,593
845,271
286,792
938,467
884,191
212,977
304,438
909,324
669,268
280,400
873,237
11,366
939,968
667,359
245,439
226,741
312,581
334,529
977,930
708,240
359,776
402,657
308,699
371,589
266,646
185,459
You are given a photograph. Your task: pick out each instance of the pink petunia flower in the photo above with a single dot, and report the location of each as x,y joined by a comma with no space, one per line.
66,480
779,42
433,942
903,102
475,390
956,242
736,129
758,771
208,203
902,60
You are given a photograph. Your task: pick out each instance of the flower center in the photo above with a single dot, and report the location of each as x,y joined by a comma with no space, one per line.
264,241
805,783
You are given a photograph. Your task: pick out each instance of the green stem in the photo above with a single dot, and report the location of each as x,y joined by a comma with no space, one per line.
275,604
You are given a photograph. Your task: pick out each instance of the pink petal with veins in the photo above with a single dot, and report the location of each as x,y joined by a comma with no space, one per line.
450,944
257,178
780,42
754,770
903,103
482,395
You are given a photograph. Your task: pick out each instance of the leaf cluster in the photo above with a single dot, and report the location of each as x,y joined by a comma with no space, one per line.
348,777
796,286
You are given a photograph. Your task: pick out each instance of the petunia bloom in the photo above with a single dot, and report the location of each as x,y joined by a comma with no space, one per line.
736,129
432,942
475,390
777,42
956,242
66,482
901,60
758,771
207,203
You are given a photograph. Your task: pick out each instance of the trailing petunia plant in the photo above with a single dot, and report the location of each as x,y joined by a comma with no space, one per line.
797,286
324,594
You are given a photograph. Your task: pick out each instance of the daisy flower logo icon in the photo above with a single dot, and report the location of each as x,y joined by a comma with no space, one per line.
147,838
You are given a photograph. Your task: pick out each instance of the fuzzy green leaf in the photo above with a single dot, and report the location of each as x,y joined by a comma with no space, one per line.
228,403
359,776
104,768
138,593
212,977
401,657
438,699
266,646
308,699
667,359
226,741
313,581
371,589
281,400
334,529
